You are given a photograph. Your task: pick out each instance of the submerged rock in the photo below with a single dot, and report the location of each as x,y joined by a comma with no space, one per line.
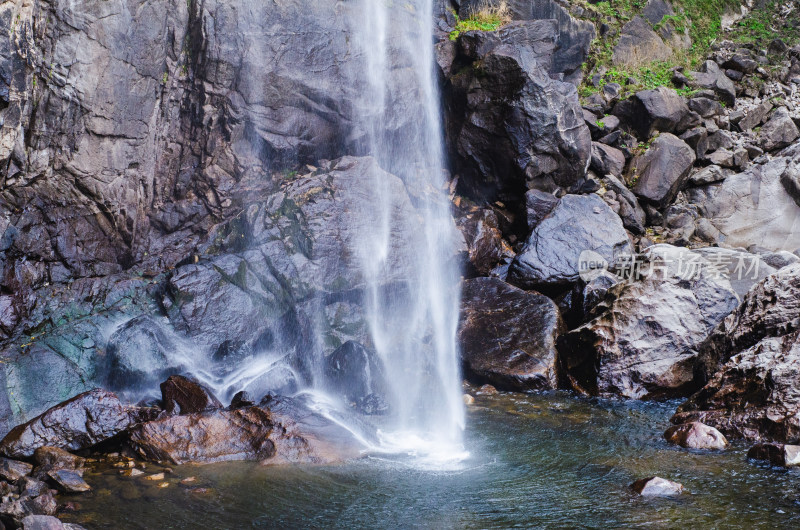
79,423
507,335
696,435
656,487
181,395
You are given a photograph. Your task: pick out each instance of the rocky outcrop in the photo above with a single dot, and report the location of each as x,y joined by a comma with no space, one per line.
182,395
282,431
79,423
644,340
578,224
355,373
509,125
638,44
507,336
776,454
662,170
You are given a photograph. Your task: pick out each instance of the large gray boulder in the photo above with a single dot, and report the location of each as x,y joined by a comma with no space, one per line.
510,125
648,111
638,44
711,77
662,170
753,207
508,335
644,340
779,131
578,224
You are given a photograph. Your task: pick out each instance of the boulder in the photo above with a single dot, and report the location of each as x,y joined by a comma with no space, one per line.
638,44
507,335
741,268
46,522
755,395
283,431
755,116
13,470
696,435
776,454
487,251
648,111
711,77
512,126
662,170
779,131
656,487
630,212
578,224
69,481
752,207
181,395
56,458
643,342
607,160
79,423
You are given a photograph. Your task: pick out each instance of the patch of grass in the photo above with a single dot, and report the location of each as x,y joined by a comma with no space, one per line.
486,18
763,25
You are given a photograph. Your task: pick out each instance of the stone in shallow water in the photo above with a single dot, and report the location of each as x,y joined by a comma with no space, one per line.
69,481
777,454
696,435
57,458
656,487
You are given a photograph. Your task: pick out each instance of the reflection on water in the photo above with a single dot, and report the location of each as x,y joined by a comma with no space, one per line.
546,461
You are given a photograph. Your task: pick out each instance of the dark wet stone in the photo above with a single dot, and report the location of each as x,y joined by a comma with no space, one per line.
182,395
69,481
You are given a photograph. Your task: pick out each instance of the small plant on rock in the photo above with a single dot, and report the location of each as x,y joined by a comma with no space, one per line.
489,17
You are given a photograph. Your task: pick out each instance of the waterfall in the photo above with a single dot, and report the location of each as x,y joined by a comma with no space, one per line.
414,333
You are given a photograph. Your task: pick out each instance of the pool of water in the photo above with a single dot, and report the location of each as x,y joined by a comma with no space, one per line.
535,461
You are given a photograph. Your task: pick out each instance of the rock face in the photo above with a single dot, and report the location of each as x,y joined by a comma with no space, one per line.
81,422
510,126
696,435
579,223
354,372
181,395
779,131
283,432
508,335
644,341
753,207
663,169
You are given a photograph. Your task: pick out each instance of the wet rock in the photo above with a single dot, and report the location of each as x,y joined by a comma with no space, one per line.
776,454
632,214
13,470
285,431
354,372
648,111
56,458
741,268
713,78
13,511
696,435
486,247
31,487
140,354
242,399
538,205
372,405
514,127
638,44
69,481
663,169
44,522
643,342
79,423
577,224
507,335
656,487
607,160
181,395
779,131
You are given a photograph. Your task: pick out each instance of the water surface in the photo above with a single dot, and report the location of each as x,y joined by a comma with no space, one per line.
536,461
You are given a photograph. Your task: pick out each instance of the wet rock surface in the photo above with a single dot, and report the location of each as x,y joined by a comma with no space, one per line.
656,487
79,423
696,435
507,336
182,395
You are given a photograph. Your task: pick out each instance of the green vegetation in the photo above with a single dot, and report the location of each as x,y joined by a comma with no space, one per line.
487,18
698,19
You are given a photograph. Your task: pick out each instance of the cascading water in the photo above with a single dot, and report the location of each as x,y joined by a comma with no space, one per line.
411,316
413,333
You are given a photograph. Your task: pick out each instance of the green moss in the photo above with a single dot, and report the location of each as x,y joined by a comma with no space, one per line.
486,19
